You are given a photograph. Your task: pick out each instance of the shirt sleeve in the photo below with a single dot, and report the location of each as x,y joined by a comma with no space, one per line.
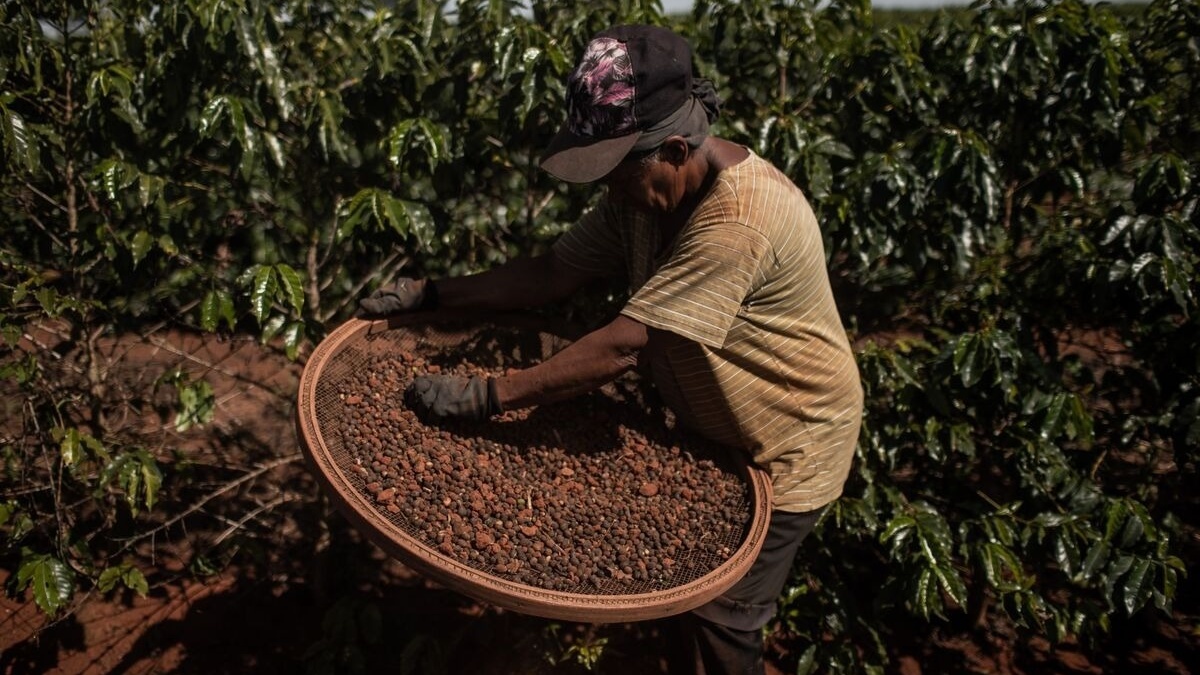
594,244
699,291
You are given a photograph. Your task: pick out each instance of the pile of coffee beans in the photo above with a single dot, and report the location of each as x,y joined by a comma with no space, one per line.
576,496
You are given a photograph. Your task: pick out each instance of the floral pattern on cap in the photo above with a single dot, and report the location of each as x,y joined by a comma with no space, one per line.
601,93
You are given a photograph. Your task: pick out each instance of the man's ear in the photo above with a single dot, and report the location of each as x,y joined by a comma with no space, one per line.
675,150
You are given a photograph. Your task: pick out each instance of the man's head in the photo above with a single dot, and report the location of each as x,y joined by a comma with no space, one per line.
633,89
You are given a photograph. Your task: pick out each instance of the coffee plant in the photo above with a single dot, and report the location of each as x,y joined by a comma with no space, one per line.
1008,194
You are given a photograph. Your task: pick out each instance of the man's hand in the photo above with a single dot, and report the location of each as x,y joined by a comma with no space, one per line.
402,295
440,397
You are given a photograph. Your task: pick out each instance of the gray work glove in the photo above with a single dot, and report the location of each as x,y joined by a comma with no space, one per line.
442,397
402,295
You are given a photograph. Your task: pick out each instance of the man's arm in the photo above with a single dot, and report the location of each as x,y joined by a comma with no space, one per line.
518,284
594,360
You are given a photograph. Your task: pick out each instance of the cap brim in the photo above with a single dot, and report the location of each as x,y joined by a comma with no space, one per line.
577,159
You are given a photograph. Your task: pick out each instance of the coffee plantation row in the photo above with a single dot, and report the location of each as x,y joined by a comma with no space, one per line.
1008,195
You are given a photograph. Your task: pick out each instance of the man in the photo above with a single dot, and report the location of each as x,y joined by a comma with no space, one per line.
730,305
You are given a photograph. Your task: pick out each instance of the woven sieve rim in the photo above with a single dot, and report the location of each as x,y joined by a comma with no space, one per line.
470,581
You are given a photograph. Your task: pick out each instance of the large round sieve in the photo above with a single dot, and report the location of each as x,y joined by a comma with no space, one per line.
513,341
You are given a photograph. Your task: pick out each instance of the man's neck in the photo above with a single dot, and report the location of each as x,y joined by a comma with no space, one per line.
710,159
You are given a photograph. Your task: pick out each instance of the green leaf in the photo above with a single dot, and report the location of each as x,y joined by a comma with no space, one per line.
209,309
1138,585
225,308
1171,569
210,116
203,566
1114,517
20,146
924,594
115,176
262,291
247,138
1097,556
330,130
896,526
135,581
293,335
1053,420
1001,567
217,306
271,328
1079,421
53,583
150,189
196,405
275,149
1066,552
375,207
115,78
808,661
292,286
140,246
137,474
127,575
967,361
1116,570
108,579
905,369
1135,527
19,523
933,443
951,583
74,444
124,110
262,54
399,141
70,447
1142,262
167,245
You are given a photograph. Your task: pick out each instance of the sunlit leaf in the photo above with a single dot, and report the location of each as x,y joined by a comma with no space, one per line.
52,582
136,474
292,286
125,574
272,327
209,311
262,291
20,146
70,447
212,113
196,405
293,335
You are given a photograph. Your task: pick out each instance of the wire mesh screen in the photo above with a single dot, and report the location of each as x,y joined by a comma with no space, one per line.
564,508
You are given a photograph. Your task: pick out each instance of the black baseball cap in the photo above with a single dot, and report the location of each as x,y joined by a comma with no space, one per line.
629,79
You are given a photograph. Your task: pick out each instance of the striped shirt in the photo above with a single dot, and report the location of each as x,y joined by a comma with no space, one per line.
764,363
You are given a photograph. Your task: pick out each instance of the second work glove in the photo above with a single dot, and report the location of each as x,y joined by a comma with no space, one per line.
402,295
441,397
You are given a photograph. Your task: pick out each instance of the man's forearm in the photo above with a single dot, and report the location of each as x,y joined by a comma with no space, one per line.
594,360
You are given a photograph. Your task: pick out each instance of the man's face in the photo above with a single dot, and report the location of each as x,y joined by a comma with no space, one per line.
652,185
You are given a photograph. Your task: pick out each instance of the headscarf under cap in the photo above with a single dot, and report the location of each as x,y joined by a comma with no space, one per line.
691,120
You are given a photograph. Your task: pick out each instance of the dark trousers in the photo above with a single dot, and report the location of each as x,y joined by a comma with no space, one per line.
724,636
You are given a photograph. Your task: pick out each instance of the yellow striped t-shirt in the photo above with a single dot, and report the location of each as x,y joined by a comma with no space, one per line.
764,363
